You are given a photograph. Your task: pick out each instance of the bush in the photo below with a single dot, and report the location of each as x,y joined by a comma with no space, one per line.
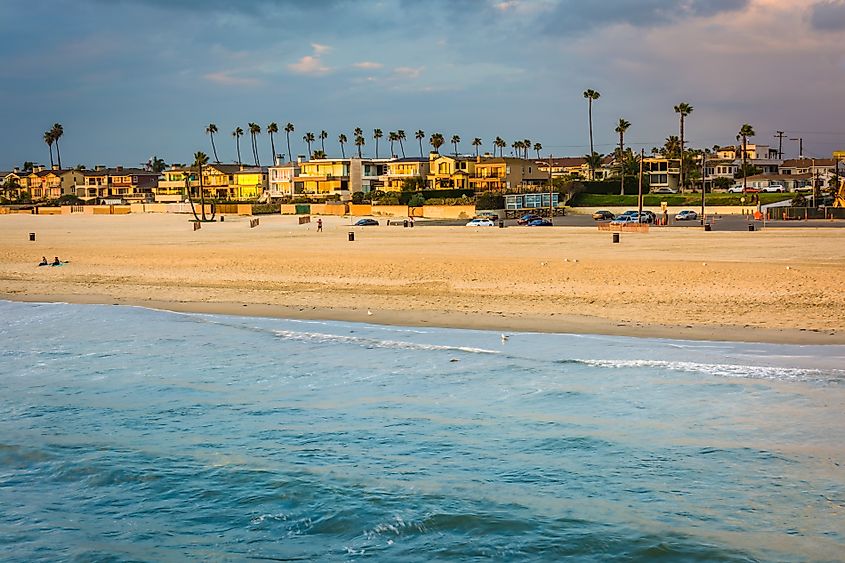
265,208
490,200
417,200
357,198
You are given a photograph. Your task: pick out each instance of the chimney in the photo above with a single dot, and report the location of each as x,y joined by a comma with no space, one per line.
17,170
99,167
55,167
119,168
300,158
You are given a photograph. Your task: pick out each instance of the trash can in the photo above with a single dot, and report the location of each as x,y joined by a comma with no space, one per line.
351,236
615,238
32,237
501,224
405,223
222,218
750,227
707,226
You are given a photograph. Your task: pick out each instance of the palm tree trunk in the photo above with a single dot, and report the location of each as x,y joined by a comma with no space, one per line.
421,154
58,154
51,155
202,196
744,164
190,198
590,115
402,148
238,145
342,151
376,147
214,149
681,171
290,154
622,162
273,148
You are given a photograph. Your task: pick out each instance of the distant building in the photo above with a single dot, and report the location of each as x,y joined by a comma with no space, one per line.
229,182
118,183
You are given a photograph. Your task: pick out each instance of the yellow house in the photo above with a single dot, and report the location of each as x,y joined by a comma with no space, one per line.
449,172
232,182
323,176
402,169
507,173
49,184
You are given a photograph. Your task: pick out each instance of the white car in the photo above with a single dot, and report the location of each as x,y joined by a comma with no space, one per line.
735,190
664,191
480,223
774,188
686,215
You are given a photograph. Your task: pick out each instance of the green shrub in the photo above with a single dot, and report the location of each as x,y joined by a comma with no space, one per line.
417,200
490,200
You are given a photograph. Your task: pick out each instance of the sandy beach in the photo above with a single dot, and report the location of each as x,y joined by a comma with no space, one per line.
772,286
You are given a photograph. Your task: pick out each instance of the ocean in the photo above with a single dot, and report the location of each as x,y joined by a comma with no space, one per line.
129,434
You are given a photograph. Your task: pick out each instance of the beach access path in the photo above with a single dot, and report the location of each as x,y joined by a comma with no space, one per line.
775,285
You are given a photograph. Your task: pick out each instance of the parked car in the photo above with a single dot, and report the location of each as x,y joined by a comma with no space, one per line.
480,223
527,218
686,215
540,223
624,220
487,215
773,188
647,217
366,223
602,215
664,191
738,190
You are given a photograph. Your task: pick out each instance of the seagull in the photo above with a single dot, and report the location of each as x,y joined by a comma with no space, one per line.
505,337
369,312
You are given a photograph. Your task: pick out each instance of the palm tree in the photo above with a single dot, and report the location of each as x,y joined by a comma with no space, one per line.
319,154
420,135
455,140
210,131
392,138
48,138
359,142
671,147
526,146
591,95
377,134
156,165
57,132
436,141
744,132
538,147
288,130
683,109
621,127
476,143
237,134
200,160
593,161
323,136
400,136
309,138
272,129
342,140
500,143
254,131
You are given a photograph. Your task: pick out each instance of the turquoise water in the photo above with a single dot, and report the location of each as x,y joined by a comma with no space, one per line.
135,435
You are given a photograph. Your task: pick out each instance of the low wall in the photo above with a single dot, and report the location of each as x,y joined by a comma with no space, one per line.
361,209
338,209
49,210
445,211
390,210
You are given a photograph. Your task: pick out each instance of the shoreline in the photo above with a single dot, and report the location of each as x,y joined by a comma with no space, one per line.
556,324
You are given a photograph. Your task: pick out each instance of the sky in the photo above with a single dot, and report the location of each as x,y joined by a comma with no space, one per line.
129,79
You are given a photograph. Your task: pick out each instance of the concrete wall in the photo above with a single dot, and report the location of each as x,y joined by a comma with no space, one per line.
338,209
361,210
445,211
673,209
49,210
390,210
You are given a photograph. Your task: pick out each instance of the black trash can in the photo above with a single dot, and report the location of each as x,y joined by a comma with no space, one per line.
707,227
351,236
405,223
222,218
32,237
615,238
501,224
750,227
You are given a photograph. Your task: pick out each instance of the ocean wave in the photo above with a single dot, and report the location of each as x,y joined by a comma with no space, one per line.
724,370
324,338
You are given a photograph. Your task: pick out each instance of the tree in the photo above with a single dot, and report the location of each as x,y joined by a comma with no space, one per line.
156,165
526,146
359,142
210,130
420,135
455,140
377,134
57,132
323,136
254,131
319,154
671,147
400,136
392,137
591,96
537,148
309,138
272,129
288,130
683,110
476,143
744,132
200,160
436,141
237,134
516,146
48,138
594,160
621,127
501,144
342,140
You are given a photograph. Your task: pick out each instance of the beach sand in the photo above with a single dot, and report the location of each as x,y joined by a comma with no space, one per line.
775,285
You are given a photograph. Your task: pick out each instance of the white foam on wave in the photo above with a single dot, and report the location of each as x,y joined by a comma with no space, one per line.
323,338
726,370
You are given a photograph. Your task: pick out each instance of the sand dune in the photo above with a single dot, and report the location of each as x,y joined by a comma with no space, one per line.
775,285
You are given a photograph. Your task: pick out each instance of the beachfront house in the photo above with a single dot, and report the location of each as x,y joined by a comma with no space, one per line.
43,184
401,171
117,184
228,182
449,172
281,179
663,173
507,173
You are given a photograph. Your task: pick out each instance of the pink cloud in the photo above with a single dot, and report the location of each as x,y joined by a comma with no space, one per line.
309,65
368,65
225,79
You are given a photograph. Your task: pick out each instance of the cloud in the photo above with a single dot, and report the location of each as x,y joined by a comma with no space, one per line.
828,15
320,49
309,65
225,79
368,65
408,72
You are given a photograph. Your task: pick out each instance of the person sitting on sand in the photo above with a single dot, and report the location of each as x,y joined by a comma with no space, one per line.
56,262
44,261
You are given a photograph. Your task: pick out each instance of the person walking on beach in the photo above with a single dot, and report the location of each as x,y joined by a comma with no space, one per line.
319,225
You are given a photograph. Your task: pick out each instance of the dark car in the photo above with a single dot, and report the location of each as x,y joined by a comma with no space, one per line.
602,215
540,222
366,223
525,219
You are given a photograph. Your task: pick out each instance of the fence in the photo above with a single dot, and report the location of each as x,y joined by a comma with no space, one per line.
804,213
624,228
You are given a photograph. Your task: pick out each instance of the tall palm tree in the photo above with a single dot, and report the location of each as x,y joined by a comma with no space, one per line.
309,138
392,137
377,134
455,140
501,144
621,127
272,129
744,132
237,134
537,148
436,141
594,160
359,142
323,136
400,136
342,140
254,131
57,131
200,160
210,131
156,164
288,130
591,96
48,138
476,143
420,135
319,154
526,146
683,110
517,147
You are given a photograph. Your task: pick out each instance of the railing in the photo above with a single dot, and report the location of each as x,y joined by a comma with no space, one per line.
624,228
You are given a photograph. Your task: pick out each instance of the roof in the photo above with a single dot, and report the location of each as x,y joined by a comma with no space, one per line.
563,162
807,162
222,168
780,177
410,159
120,172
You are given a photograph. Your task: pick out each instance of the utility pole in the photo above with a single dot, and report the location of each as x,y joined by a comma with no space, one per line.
800,145
551,207
779,137
703,183
640,187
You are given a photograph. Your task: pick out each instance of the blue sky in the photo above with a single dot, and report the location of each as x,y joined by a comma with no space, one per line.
129,79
